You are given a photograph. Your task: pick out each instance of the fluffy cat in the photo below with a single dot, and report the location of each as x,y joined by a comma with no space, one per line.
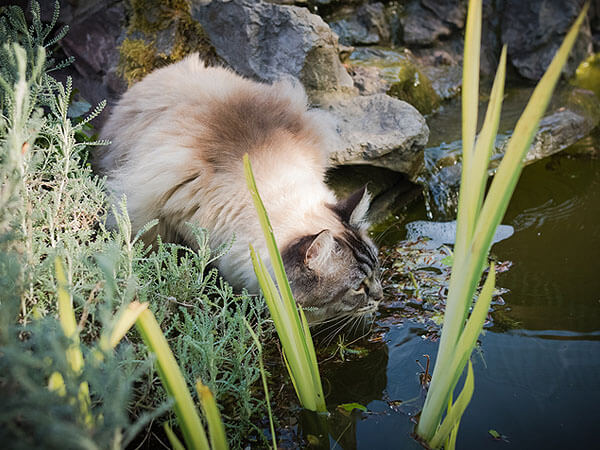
177,142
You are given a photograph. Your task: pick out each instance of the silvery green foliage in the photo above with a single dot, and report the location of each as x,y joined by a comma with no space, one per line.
32,416
51,204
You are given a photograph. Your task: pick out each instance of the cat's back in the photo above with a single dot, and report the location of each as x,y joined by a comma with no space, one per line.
213,112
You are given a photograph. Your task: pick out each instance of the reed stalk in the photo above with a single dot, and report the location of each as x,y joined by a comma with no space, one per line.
290,322
173,381
477,221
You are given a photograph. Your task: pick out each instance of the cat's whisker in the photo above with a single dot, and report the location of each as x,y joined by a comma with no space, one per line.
329,324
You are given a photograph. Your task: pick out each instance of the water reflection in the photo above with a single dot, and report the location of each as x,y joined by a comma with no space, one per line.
536,384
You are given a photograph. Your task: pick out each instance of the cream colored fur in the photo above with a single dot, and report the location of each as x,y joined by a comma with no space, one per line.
155,132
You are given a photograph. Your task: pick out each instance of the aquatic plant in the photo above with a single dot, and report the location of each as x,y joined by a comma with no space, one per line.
290,321
477,222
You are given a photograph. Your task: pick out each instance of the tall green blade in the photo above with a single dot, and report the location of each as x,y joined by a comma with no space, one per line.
297,358
487,138
216,429
274,255
173,439
457,410
173,381
290,323
470,85
477,225
459,290
510,168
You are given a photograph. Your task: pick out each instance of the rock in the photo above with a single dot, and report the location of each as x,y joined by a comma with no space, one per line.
490,39
402,73
366,25
556,132
378,130
534,30
446,79
368,80
93,40
450,11
422,26
352,32
267,41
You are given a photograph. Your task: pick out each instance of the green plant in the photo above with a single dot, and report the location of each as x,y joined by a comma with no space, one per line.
477,222
175,385
51,204
289,319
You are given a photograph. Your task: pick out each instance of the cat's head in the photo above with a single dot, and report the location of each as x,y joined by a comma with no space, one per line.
336,274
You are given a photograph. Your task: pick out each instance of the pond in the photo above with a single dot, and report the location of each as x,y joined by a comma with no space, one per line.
538,365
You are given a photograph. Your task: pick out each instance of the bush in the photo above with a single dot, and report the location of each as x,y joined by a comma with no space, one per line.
51,204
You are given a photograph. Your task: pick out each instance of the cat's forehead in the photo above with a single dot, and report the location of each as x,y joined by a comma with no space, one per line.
363,249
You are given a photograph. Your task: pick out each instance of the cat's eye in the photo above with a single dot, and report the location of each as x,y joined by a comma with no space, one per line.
363,288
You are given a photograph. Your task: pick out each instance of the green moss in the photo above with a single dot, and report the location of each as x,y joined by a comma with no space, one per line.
401,71
138,58
415,88
161,33
587,75
190,37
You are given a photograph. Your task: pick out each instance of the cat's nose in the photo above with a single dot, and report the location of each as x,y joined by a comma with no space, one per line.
377,291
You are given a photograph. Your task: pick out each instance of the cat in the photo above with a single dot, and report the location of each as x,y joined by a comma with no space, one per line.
178,138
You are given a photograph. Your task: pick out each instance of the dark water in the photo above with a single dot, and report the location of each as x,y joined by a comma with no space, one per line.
537,375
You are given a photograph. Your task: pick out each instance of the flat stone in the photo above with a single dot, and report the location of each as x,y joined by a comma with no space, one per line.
365,25
378,130
556,132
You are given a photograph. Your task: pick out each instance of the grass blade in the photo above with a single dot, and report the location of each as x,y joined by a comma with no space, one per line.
263,376
173,439
299,366
510,168
125,322
452,419
173,381
487,138
66,316
275,256
476,225
470,90
216,429
290,322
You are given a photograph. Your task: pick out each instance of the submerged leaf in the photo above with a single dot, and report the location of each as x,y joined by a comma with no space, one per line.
347,408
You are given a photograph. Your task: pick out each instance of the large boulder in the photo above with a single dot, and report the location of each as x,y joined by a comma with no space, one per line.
534,30
267,41
378,130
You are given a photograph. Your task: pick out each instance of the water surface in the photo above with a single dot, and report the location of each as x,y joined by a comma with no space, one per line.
538,368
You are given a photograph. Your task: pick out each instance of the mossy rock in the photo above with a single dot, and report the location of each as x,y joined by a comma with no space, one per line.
407,82
416,89
161,33
587,75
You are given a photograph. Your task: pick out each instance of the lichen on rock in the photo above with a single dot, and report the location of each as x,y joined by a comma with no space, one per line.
161,33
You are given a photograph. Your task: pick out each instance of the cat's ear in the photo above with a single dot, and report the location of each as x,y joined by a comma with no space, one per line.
318,253
354,208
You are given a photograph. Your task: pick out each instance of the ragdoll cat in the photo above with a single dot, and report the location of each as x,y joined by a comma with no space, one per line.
178,138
